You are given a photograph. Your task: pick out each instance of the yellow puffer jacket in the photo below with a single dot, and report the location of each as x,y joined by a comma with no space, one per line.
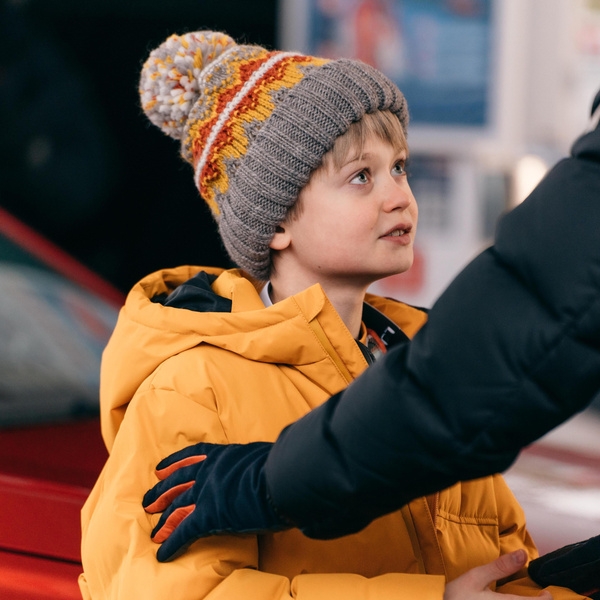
172,377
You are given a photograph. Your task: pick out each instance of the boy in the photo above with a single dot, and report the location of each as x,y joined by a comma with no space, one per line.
302,162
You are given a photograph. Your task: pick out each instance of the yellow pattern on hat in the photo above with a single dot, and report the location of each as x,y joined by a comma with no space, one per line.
218,137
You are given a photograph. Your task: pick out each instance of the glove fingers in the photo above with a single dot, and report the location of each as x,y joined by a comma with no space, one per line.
171,549
165,528
166,498
215,488
180,477
181,537
164,471
202,448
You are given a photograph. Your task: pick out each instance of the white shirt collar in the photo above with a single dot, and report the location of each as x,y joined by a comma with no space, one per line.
264,295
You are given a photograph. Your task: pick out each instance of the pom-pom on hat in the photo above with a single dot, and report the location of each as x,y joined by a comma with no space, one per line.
255,124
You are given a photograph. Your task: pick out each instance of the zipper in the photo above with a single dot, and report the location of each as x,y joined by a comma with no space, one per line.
414,539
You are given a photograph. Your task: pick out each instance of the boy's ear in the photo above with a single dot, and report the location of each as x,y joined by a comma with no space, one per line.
282,238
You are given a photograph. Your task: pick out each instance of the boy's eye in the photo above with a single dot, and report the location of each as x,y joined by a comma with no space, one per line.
360,178
399,168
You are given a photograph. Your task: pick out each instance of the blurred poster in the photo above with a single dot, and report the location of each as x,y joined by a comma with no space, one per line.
429,177
439,52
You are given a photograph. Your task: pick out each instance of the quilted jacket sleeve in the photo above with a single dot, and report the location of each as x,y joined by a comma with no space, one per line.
511,349
119,557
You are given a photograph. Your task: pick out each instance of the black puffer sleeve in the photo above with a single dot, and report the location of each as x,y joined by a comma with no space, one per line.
511,349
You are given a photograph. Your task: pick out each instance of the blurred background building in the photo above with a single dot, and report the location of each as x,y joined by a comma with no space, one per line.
79,161
497,90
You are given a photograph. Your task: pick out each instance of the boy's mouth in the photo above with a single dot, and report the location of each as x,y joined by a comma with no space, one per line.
398,231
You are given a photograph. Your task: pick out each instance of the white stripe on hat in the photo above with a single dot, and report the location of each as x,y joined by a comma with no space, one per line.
229,108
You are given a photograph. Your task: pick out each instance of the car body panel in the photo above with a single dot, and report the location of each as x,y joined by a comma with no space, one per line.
46,473
55,319
25,577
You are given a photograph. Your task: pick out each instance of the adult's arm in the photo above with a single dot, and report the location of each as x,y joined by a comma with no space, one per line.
511,349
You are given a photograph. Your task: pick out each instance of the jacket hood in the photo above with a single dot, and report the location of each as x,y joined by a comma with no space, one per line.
174,310
151,329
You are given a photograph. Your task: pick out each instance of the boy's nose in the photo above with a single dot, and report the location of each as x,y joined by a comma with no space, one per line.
397,196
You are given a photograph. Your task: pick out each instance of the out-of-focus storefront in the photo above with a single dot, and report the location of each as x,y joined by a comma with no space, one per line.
497,90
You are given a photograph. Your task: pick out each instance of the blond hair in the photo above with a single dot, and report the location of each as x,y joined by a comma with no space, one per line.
382,124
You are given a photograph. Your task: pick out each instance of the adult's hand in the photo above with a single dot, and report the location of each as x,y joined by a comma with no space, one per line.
208,489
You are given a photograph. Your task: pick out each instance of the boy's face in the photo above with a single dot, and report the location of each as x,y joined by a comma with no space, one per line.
357,223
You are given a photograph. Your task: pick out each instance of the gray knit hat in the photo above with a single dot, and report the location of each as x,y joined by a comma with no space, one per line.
255,124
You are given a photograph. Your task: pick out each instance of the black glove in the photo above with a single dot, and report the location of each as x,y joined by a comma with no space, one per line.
209,489
576,566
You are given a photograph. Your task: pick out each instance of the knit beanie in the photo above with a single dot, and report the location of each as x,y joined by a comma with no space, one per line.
255,124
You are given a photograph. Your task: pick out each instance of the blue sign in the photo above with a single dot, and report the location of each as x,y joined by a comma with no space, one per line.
439,52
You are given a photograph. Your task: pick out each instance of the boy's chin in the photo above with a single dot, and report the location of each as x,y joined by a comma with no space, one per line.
385,274
396,270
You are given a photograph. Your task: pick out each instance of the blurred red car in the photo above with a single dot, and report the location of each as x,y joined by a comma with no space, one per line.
55,318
